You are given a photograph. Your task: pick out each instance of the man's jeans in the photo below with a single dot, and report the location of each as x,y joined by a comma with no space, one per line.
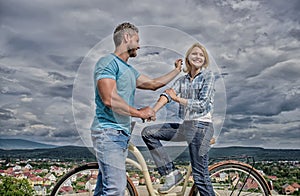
111,147
197,134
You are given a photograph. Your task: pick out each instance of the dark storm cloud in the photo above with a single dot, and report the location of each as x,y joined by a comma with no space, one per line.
5,114
17,44
64,91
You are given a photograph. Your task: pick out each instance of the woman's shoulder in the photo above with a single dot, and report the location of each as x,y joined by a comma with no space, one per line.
208,72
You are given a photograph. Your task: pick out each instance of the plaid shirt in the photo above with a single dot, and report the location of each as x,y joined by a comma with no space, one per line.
199,92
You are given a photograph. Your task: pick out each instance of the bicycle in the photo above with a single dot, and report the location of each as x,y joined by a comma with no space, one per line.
229,177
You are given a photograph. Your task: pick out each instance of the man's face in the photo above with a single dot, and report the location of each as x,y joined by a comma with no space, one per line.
133,45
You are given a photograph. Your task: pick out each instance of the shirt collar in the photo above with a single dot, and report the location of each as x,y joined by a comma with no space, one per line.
188,76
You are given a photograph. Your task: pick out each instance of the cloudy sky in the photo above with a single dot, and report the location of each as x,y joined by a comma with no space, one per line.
48,48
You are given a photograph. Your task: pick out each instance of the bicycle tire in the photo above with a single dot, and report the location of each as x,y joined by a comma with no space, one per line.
87,168
246,176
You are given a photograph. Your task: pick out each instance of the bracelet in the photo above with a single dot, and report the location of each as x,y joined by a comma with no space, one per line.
168,98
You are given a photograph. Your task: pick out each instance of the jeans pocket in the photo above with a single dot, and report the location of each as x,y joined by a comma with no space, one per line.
116,138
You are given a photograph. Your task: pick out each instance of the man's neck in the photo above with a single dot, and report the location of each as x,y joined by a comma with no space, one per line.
122,54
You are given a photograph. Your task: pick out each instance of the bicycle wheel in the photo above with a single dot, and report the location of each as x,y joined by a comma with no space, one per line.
235,178
82,180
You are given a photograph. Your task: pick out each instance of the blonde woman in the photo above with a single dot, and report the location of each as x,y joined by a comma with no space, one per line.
194,92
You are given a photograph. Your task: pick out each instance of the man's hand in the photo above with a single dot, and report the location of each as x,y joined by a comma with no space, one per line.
178,64
146,113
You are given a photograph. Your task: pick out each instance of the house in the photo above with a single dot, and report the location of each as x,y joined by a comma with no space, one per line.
154,180
47,182
73,178
67,183
251,184
38,171
220,177
2,172
28,166
135,181
142,181
66,189
50,177
20,176
288,189
261,172
80,184
89,185
191,180
17,168
39,190
273,178
58,170
9,171
296,186
36,180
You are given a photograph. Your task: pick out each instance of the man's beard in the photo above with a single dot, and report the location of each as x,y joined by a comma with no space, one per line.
132,52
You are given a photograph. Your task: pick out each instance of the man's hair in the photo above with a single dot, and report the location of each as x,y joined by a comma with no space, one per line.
187,63
121,29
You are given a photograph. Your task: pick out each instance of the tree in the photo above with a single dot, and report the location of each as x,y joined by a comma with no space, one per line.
16,187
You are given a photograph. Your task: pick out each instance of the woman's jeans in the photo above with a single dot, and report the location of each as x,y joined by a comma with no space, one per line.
197,134
111,148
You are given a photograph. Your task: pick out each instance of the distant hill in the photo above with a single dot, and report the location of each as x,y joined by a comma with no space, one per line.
178,153
234,152
61,153
9,144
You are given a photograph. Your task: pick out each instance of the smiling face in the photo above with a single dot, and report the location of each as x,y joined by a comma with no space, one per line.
196,58
133,45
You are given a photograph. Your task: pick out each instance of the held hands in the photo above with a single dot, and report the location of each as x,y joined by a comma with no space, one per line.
178,64
147,113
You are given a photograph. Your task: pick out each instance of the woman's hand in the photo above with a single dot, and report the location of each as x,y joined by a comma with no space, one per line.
171,92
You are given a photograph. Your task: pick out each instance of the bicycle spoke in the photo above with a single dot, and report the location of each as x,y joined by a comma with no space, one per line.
235,179
235,182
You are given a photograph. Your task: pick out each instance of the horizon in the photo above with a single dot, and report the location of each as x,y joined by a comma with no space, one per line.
167,145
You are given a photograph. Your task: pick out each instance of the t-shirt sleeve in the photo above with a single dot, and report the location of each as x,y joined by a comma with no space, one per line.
108,70
136,73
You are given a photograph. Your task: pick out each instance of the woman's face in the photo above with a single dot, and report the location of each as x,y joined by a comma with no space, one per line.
196,57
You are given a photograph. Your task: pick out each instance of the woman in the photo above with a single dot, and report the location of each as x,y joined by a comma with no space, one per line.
195,94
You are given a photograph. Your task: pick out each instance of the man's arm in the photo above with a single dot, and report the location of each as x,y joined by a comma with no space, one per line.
108,93
144,82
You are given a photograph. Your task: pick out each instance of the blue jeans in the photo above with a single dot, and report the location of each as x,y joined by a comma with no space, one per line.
111,147
197,134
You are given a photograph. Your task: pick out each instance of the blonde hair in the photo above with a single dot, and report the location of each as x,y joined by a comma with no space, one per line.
187,63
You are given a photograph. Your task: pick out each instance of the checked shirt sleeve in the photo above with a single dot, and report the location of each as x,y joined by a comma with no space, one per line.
176,87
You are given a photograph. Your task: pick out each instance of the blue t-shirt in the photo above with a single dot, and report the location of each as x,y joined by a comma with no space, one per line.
125,76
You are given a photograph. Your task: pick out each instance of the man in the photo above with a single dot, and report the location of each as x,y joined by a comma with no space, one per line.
115,84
